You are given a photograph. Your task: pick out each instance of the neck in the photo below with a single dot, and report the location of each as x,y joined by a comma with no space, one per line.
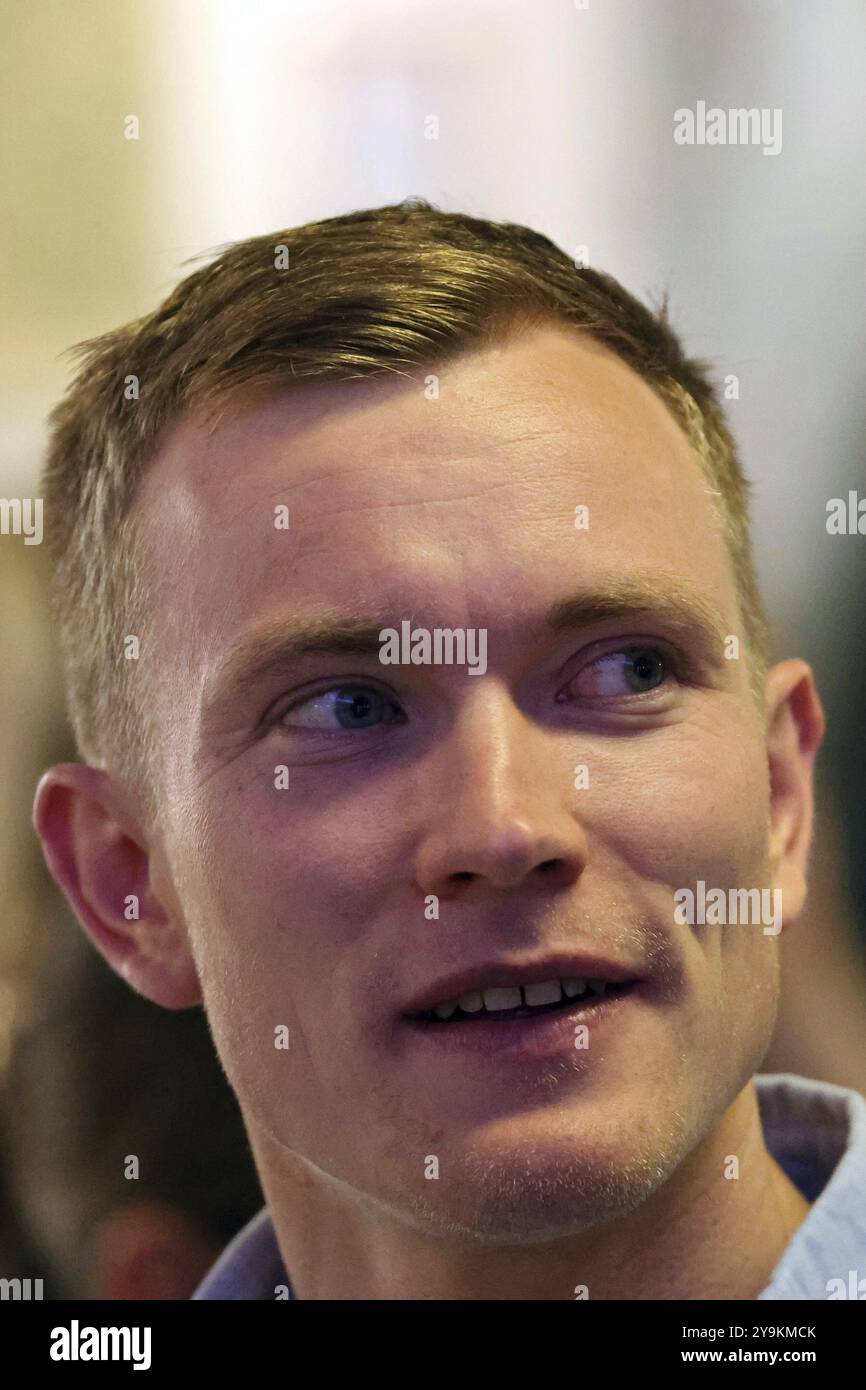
702,1235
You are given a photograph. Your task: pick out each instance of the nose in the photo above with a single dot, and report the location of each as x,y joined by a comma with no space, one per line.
503,799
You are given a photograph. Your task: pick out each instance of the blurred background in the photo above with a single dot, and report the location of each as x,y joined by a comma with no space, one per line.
558,114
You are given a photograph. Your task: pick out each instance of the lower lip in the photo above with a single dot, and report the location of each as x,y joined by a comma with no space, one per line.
547,1035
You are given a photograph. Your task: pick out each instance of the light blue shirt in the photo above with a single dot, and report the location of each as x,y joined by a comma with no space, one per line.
815,1131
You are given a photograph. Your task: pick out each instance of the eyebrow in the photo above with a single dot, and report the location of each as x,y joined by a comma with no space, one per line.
681,608
279,644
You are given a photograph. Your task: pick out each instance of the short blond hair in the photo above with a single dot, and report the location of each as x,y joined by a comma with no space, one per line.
379,291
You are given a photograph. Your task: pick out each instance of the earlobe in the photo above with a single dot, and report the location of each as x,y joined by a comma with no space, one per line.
100,859
795,728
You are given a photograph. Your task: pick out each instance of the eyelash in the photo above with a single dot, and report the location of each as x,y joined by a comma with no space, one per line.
677,665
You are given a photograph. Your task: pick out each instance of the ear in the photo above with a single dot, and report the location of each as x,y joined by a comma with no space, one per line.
795,728
101,859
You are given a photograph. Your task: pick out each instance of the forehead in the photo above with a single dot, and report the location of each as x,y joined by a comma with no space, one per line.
458,491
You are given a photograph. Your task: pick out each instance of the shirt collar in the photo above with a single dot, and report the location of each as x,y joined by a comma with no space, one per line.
817,1134
815,1131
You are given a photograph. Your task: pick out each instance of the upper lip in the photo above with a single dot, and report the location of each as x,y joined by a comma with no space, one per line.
497,974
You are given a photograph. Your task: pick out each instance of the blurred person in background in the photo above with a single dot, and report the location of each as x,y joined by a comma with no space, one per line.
127,1158
91,1073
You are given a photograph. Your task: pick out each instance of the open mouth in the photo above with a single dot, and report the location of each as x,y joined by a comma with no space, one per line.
507,1003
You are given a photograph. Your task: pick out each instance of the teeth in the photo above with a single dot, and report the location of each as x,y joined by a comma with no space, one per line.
574,987
501,997
445,1010
505,998
549,992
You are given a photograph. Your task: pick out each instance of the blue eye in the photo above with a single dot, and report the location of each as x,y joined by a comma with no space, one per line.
630,671
644,670
352,706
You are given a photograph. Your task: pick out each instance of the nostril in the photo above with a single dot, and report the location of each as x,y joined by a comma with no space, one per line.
557,873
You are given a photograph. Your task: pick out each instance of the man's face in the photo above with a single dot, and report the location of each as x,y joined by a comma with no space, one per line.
313,905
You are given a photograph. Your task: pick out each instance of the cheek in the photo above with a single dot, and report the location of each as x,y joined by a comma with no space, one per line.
684,804
284,899
284,909
692,805
734,975
321,843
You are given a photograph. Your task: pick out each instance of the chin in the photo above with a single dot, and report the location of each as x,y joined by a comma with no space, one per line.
536,1194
